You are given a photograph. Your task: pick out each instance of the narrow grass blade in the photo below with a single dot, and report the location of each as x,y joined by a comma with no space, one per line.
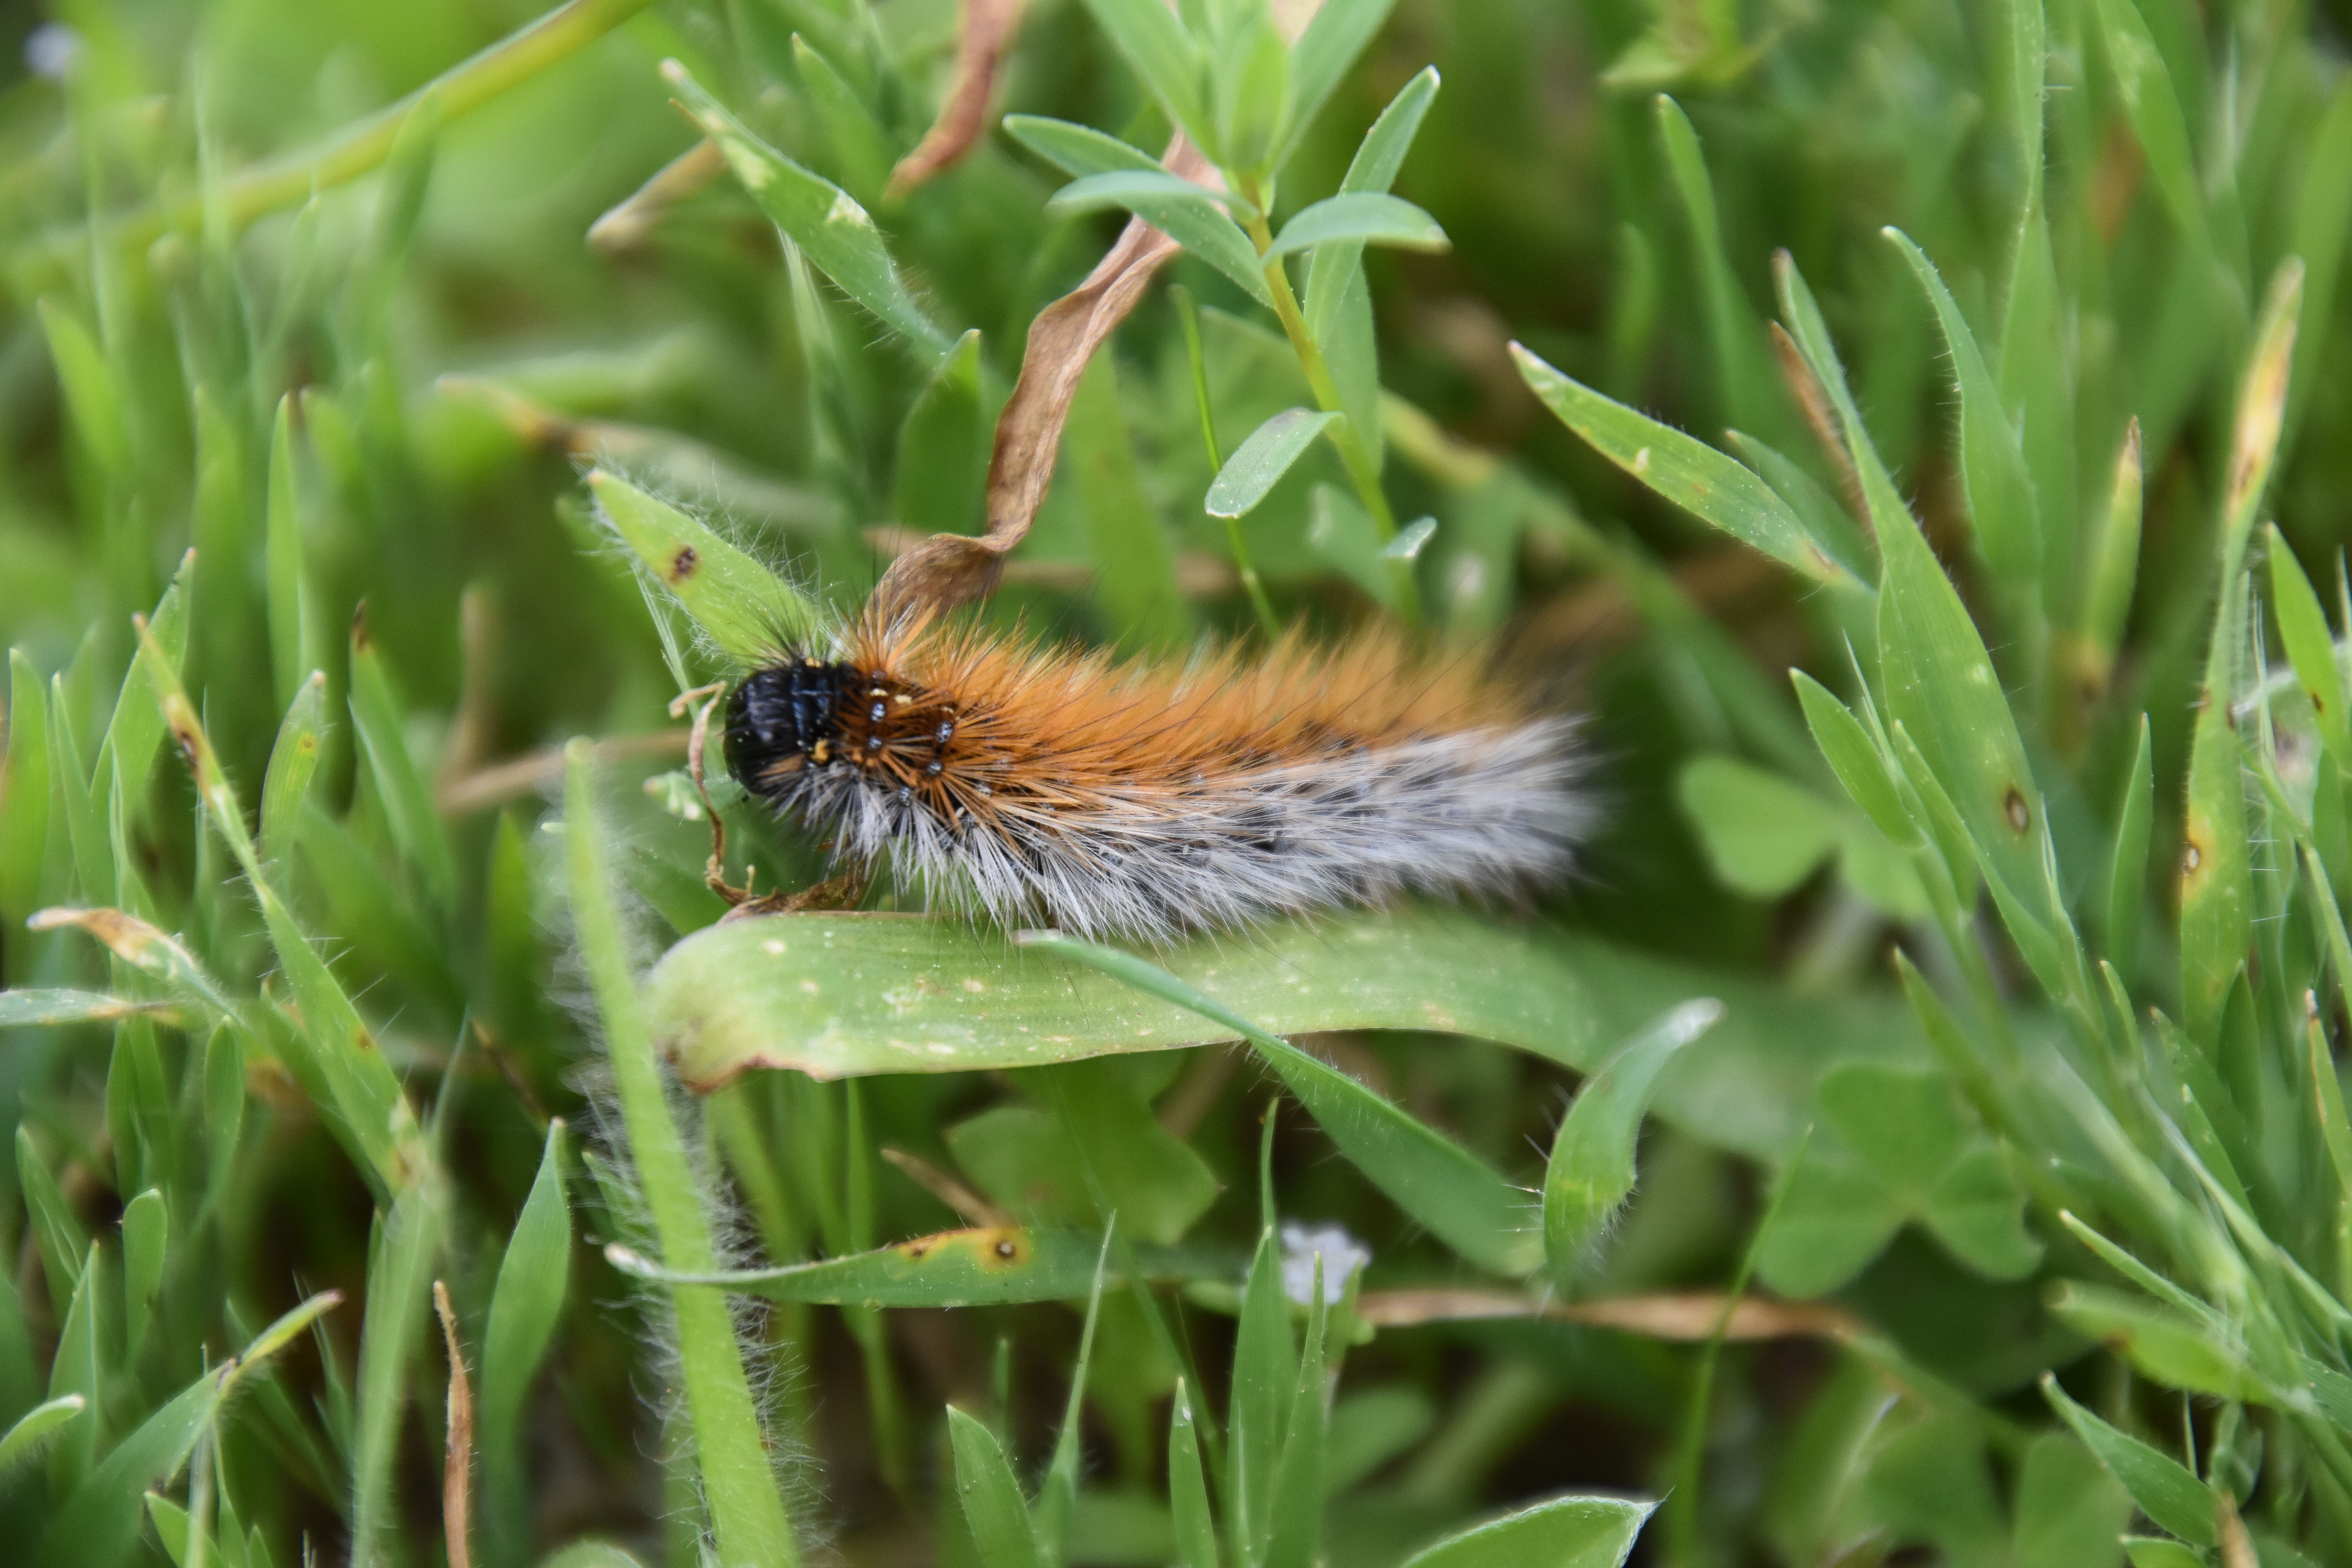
2127,860
1590,1174
1188,1489
1572,1532
24,790
2145,84
42,1007
745,608
293,651
1707,484
525,1304
407,1245
1734,339
2165,1490
1058,1494
746,1511
1076,149
2302,627
994,1264
128,751
377,715
146,1236
293,760
24,1440
2216,888
1260,461
1992,466
98,1525
1264,1365
2323,217
1191,215
1463,1201
1373,169
2115,567
1856,759
818,215
991,1498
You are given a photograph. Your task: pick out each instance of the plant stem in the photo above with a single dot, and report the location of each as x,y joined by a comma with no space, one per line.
747,1513
1189,315
359,148
1362,471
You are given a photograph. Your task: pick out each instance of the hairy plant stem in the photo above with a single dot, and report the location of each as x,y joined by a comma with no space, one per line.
1362,471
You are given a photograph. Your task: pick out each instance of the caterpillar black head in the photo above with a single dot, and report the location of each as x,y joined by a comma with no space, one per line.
783,719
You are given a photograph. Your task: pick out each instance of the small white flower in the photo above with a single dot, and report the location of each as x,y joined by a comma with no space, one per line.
1342,1255
49,51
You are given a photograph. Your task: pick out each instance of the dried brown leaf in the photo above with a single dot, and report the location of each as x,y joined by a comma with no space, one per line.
951,569
988,26
457,1472
1686,1316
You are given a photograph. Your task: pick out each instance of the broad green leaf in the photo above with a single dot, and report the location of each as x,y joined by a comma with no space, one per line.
2068,1509
1334,36
1977,1211
1364,218
2302,627
817,215
2165,1490
1570,1533
745,608
1590,1172
1165,56
1762,834
991,1498
1707,484
1132,189
1093,1150
1259,462
1836,1218
1905,1125
1465,1203
840,995
2145,84
1077,149
1992,466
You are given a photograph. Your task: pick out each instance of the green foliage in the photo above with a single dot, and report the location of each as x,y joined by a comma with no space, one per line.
330,972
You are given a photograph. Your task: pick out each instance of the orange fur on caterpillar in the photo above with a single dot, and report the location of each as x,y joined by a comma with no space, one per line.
1150,799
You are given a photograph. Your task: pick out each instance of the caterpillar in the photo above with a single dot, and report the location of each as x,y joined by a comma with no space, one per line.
1142,799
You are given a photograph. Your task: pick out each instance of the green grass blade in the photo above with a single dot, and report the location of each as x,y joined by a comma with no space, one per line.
1264,1368
2145,84
1993,466
1360,218
1572,1532
990,1265
293,760
1710,486
2115,567
1192,215
1188,1488
1336,34
128,752
2127,860
377,715
1590,1174
1744,378
1464,1201
525,1304
745,608
747,1512
818,215
1373,169
2216,879
98,1525
1166,57
32,1430
1134,561
1058,1494
991,1498
146,1236
2302,627
407,1246
293,641
2165,1490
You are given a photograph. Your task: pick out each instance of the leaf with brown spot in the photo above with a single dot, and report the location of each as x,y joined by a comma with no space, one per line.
951,569
987,32
141,946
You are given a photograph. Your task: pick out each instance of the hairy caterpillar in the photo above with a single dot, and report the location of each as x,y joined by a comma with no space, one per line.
1148,800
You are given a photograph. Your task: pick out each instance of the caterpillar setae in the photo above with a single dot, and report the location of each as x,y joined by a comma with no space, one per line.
1146,800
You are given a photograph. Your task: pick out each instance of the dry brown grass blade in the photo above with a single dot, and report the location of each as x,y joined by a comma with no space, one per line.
988,26
951,569
1690,1317
457,1469
625,227
975,1209
1813,399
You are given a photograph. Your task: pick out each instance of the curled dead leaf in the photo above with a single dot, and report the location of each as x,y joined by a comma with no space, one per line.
1688,1316
951,569
986,32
